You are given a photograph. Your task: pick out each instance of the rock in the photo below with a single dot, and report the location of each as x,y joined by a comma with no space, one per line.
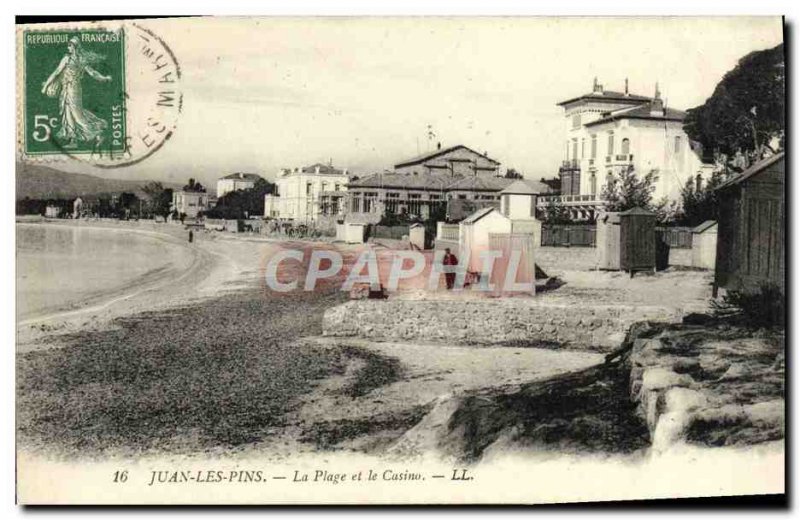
681,399
657,378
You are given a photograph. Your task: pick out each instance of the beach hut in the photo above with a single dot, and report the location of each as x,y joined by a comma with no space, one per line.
751,228
416,235
626,240
704,245
608,241
637,237
474,234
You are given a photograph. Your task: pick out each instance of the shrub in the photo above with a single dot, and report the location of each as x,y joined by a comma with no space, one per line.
764,308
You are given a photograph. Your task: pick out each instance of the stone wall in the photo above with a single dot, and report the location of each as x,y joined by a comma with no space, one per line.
491,321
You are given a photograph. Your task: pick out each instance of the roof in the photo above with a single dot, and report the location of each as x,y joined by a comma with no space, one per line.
606,95
480,183
478,215
704,226
323,168
459,209
242,176
526,187
640,112
432,155
432,181
637,211
756,168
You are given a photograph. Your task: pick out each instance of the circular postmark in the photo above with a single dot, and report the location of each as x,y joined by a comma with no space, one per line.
106,95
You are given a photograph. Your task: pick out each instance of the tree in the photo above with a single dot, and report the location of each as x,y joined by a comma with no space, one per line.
160,198
699,200
556,214
194,187
242,203
745,114
629,190
511,173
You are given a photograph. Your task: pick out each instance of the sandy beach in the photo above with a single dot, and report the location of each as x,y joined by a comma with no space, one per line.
204,358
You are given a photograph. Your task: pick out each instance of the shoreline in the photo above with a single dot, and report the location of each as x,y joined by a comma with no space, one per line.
169,285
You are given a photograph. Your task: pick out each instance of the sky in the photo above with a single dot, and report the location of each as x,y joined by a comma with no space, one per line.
265,93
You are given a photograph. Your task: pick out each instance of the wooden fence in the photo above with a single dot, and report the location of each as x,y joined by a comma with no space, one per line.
573,235
393,232
675,237
585,235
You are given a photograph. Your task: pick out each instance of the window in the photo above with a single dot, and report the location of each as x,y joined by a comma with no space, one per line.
308,188
462,196
392,201
324,186
369,202
336,187
593,182
567,156
626,146
583,148
594,146
504,204
610,143
414,204
575,149
677,144
576,121
533,206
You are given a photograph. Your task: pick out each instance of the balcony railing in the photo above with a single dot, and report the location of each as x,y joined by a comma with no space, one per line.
572,164
570,199
624,158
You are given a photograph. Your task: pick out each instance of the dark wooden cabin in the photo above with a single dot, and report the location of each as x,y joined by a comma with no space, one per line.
751,224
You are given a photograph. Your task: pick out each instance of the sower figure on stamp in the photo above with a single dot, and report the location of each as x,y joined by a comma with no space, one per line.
450,260
77,123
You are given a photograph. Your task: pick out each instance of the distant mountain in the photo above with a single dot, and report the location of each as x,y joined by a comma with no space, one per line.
42,182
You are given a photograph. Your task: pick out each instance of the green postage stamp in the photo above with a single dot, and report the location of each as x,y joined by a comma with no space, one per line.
74,92
103,93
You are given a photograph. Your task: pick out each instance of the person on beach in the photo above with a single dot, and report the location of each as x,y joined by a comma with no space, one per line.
449,259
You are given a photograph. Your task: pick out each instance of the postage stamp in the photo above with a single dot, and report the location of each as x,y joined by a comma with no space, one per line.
106,94
74,91
286,261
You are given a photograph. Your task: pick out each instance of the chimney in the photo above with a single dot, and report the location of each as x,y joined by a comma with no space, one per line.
626,87
597,88
657,106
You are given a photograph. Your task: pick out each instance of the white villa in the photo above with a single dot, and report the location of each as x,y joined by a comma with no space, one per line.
236,181
190,203
305,194
607,132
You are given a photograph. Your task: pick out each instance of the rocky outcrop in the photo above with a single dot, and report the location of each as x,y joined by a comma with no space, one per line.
711,385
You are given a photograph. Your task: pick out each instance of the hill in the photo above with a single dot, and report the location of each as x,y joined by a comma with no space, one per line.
42,182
